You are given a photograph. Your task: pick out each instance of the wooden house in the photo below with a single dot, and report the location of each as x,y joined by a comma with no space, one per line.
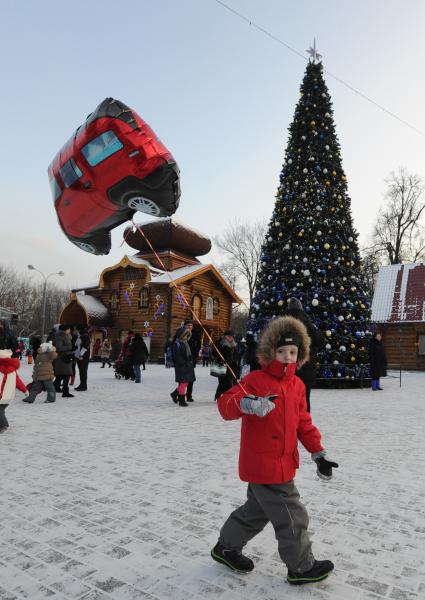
144,292
398,309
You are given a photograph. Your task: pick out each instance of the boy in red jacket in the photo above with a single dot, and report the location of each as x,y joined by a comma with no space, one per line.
272,405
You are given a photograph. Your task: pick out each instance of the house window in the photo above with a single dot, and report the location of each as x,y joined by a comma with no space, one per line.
196,305
216,307
209,312
114,301
421,345
144,297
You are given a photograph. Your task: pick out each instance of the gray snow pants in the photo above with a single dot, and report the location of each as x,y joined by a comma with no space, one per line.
38,386
280,504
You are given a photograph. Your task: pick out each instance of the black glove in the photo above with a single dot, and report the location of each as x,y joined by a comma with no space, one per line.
324,467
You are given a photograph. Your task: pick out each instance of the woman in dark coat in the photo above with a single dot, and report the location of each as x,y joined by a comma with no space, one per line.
229,351
378,361
183,366
308,371
63,363
138,353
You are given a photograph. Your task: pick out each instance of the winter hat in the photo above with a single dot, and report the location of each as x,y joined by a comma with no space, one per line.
5,353
185,335
46,347
290,338
277,332
229,332
294,304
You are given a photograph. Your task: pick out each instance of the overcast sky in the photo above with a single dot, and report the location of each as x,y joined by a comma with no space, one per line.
219,93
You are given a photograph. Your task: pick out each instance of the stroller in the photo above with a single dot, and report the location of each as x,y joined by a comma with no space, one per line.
123,368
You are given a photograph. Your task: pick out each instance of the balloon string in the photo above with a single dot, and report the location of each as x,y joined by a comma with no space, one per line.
194,315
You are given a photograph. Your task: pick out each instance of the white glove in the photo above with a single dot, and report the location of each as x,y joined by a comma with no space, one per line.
254,405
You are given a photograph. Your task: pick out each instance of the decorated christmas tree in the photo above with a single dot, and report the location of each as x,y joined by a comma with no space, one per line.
311,251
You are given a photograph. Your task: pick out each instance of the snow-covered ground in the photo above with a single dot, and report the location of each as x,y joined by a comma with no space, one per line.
118,493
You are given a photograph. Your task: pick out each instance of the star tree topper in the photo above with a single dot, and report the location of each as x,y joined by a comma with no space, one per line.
314,55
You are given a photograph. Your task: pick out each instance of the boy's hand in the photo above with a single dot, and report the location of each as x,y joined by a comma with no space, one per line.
256,405
324,467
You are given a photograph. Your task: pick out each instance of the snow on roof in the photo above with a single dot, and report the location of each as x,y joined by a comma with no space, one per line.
177,273
400,294
93,306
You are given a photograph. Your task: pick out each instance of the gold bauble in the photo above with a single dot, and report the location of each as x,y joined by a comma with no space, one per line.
353,359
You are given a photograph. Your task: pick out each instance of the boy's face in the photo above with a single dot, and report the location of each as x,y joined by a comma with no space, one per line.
287,354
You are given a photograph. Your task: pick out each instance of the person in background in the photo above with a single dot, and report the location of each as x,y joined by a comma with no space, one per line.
63,363
20,349
138,353
250,357
82,354
183,366
168,352
307,373
43,375
9,381
229,351
105,353
126,342
378,361
96,350
115,349
8,340
205,355
194,345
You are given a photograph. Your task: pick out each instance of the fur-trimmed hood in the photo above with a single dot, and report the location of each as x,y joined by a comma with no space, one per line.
274,331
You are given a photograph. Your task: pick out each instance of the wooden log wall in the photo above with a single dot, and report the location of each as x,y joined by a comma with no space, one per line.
129,315
401,345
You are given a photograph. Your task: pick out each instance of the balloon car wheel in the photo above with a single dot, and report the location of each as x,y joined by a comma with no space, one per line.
86,247
144,205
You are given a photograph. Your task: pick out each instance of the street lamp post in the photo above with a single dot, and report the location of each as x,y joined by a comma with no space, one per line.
43,317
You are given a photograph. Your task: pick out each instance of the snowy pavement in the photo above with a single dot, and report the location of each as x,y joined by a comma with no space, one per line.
118,493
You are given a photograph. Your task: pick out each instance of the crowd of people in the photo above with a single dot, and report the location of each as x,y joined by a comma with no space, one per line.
256,383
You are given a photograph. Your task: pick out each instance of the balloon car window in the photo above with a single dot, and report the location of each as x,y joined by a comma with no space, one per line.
101,147
55,189
70,173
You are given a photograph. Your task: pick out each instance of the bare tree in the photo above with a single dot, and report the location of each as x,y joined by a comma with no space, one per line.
241,245
20,295
399,234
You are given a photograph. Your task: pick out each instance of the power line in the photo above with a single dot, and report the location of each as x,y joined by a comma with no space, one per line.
304,57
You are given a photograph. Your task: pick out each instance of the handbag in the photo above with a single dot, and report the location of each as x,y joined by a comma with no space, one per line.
217,370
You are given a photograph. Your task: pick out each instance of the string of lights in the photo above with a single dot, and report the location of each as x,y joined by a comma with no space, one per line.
304,57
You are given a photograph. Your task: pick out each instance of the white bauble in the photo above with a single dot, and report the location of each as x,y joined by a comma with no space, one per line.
280,303
340,318
293,272
342,348
289,161
306,273
315,302
328,346
326,148
332,299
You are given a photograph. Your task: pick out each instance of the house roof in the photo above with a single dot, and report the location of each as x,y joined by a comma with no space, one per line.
400,294
96,312
155,275
184,273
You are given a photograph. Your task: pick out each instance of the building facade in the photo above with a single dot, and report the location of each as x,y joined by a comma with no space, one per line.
398,309
150,292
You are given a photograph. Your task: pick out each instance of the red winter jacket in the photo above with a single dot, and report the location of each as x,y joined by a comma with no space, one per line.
268,450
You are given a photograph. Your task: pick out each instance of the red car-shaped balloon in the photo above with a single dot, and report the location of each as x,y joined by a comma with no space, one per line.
112,166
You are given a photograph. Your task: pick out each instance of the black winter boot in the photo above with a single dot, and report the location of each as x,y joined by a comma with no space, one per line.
319,571
182,401
234,559
175,396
